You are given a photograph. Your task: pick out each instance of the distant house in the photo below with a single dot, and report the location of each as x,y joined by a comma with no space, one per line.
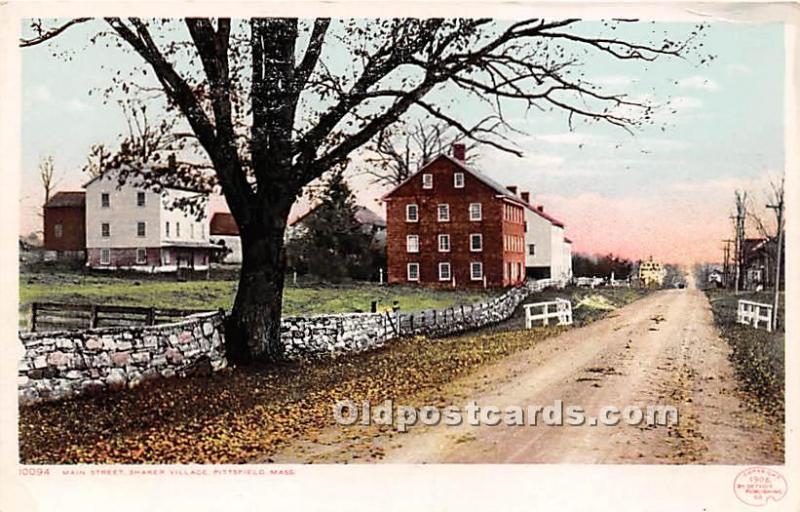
65,225
651,273
716,278
131,226
451,225
225,233
758,265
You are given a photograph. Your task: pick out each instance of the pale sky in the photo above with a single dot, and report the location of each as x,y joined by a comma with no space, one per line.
662,193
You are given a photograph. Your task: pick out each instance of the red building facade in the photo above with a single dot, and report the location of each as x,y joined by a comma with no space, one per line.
65,222
450,226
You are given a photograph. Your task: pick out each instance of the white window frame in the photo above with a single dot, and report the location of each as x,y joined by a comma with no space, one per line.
58,230
443,265
107,259
427,181
439,217
143,232
458,180
409,243
141,251
409,266
105,233
479,237
415,207
105,200
143,197
472,274
480,212
439,239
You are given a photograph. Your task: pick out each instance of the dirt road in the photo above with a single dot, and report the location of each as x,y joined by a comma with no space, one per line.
662,349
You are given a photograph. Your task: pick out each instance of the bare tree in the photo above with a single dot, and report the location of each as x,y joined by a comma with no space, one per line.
47,171
403,148
273,117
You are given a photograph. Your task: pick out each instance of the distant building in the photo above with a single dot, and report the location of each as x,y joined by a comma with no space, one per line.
450,225
130,226
716,278
225,233
65,225
651,273
758,263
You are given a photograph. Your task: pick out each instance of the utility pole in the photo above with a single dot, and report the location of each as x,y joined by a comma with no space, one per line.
726,262
741,211
779,214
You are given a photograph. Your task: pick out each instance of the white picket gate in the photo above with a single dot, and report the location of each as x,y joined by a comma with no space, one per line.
560,309
753,313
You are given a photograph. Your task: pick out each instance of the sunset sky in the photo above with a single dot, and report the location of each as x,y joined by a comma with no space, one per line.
662,193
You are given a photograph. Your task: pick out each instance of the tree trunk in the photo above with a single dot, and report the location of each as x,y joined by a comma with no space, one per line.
253,329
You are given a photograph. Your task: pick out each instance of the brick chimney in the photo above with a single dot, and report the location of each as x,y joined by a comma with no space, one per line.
512,189
460,152
526,196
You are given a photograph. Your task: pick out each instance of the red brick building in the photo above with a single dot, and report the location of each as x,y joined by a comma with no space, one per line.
65,223
450,225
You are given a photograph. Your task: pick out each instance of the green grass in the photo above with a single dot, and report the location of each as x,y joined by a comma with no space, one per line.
76,287
758,356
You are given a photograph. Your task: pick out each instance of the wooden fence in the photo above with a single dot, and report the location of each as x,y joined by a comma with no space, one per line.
753,313
559,309
50,316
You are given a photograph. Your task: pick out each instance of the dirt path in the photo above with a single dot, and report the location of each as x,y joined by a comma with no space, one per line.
662,349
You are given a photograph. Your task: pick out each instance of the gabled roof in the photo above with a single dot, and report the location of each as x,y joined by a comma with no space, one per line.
223,224
67,199
546,216
486,180
160,176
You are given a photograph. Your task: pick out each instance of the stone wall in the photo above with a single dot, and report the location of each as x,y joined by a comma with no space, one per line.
57,365
355,332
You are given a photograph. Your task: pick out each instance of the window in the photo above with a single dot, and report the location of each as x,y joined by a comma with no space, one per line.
476,242
444,271
141,256
140,199
427,181
140,229
105,256
444,243
58,230
105,200
475,211
105,230
202,230
443,212
191,231
165,256
412,213
532,249
166,229
412,243
458,180
413,271
178,229
476,270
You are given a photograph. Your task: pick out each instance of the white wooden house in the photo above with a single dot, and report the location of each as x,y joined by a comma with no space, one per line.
130,226
548,252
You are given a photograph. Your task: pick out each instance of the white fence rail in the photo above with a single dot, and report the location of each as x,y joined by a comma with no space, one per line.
559,309
753,313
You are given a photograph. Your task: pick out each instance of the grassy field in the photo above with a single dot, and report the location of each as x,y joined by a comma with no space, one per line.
758,356
77,287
